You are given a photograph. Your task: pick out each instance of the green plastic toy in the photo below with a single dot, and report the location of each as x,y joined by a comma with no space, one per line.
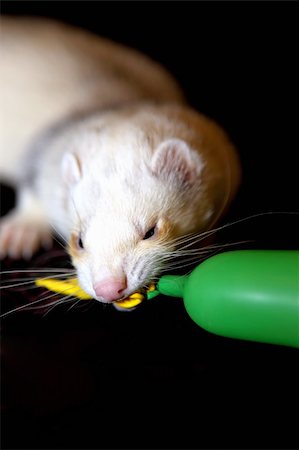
245,294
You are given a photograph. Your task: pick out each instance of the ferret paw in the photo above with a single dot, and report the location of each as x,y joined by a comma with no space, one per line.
21,236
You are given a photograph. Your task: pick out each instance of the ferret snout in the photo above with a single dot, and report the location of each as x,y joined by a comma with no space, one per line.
111,288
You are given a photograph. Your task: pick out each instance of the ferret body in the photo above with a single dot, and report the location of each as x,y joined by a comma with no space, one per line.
103,148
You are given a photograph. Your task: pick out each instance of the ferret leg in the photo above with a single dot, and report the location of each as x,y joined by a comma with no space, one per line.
25,229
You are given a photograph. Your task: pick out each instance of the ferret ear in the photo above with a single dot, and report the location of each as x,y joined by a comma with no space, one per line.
173,158
71,169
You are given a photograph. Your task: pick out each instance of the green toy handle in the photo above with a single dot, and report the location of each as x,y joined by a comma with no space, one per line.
245,294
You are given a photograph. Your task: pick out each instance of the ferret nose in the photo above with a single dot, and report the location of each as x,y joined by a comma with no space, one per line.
111,288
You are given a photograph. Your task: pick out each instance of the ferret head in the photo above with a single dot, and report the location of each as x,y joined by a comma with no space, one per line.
130,198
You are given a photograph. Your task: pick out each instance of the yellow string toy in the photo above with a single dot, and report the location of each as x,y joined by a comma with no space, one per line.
71,287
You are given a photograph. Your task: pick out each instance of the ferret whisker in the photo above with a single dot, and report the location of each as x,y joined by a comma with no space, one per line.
179,254
194,239
49,304
86,305
66,299
186,237
192,259
63,245
74,304
197,237
35,270
43,299
185,257
183,263
34,277
58,233
27,279
193,255
191,237
22,307
32,280
181,266
75,208
208,248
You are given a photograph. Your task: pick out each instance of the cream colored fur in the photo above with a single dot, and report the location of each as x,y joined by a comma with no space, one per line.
140,160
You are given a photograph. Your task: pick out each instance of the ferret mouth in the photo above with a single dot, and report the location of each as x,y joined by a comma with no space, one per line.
129,299
135,299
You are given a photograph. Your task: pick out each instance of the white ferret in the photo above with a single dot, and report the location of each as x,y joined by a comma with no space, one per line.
102,148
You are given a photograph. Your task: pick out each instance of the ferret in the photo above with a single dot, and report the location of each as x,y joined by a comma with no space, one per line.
104,149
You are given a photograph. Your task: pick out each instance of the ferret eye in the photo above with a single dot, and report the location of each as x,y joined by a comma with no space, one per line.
80,242
149,233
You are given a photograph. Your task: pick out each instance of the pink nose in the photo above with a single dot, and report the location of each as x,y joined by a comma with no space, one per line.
111,288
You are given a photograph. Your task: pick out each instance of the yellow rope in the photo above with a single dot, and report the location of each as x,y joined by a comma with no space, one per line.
71,287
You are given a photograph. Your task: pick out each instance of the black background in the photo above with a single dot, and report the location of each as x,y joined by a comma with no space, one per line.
152,378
